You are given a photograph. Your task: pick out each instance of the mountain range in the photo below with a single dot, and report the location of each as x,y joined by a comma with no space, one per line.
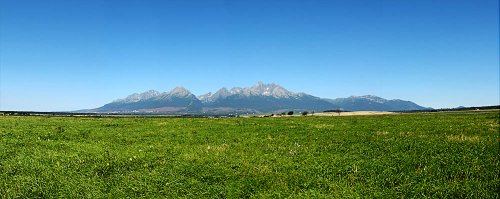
259,98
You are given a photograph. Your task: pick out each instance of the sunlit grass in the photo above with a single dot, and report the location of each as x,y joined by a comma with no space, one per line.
409,155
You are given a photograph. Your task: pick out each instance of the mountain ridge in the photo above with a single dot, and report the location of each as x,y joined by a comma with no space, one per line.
259,98
374,103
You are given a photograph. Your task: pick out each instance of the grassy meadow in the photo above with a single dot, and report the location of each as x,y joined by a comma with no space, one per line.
438,155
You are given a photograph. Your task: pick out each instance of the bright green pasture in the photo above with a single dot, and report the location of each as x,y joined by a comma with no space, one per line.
450,155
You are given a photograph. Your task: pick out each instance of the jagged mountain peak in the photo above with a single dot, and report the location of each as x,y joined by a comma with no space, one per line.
205,96
151,92
259,89
139,96
236,90
261,85
179,91
210,97
272,89
222,90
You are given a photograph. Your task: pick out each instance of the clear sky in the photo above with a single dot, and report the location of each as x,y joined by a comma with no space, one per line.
61,55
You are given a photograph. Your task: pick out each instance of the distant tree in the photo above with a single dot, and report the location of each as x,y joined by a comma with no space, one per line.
305,113
338,111
290,113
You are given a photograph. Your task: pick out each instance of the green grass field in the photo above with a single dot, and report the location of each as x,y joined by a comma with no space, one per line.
441,155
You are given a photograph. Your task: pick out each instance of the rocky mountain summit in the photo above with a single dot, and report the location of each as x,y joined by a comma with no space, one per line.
259,89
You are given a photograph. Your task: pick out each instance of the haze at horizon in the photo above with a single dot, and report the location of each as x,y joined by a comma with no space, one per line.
69,55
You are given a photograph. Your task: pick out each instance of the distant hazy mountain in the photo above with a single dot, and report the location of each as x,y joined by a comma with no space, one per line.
374,103
260,98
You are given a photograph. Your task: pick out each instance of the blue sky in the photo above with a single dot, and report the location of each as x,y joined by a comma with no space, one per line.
60,55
